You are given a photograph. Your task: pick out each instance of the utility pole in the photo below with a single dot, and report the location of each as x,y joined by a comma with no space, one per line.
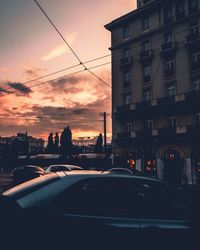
104,123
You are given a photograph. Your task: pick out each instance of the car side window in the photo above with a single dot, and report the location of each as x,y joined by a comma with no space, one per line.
162,202
100,196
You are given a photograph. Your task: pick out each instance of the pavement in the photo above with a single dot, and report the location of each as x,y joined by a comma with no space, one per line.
5,181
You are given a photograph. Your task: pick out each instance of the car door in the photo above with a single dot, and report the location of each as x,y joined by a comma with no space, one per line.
99,201
165,213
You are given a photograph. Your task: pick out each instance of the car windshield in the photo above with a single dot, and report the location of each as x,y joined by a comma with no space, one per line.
59,168
30,186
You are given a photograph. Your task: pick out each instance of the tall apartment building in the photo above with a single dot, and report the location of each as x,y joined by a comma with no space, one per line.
156,88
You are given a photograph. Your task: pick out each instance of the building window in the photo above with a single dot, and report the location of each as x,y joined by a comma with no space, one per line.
167,14
126,59
197,119
126,32
194,28
196,84
168,37
127,53
195,60
180,9
148,124
145,49
127,99
172,122
147,94
192,6
127,79
171,90
145,23
146,45
146,73
169,68
140,3
129,127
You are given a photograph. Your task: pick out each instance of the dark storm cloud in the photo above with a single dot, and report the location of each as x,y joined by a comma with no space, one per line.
80,111
85,118
34,72
68,80
2,90
69,84
78,83
20,87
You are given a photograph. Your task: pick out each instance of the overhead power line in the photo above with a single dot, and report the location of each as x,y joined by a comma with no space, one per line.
65,41
58,71
98,58
58,78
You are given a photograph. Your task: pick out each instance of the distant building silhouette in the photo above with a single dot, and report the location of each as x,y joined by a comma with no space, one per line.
26,145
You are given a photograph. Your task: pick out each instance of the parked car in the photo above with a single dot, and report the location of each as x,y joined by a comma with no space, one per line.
25,173
76,207
123,171
61,167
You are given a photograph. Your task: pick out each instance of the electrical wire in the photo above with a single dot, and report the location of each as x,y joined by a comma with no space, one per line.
116,59
58,78
65,41
59,71
128,42
56,72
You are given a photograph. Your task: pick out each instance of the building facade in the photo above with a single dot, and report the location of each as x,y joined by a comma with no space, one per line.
22,143
156,88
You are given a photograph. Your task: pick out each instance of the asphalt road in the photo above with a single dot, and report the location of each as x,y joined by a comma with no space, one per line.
5,181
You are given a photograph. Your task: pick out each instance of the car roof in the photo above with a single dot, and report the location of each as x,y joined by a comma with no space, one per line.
95,173
29,166
64,179
63,165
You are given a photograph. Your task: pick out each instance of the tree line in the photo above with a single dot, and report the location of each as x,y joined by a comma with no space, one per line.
63,144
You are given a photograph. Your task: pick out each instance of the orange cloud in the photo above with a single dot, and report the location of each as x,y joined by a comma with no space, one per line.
61,49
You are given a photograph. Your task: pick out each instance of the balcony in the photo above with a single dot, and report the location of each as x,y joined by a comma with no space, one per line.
193,129
180,15
195,66
146,79
168,20
165,106
193,9
123,135
166,100
167,131
168,48
192,95
142,105
123,138
193,132
127,84
146,56
126,62
192,40
123,108
169,73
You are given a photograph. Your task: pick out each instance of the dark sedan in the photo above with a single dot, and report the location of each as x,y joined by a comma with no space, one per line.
61,167
25,173
78,207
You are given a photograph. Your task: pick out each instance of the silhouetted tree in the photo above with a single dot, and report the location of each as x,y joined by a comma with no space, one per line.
56,142
99,144
66,146
50,145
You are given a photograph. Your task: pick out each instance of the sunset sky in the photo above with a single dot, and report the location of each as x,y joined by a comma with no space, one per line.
31,48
